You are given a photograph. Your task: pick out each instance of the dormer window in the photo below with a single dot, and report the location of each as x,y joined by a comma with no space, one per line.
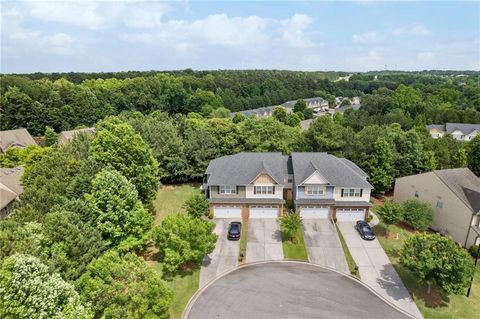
314,190
227,189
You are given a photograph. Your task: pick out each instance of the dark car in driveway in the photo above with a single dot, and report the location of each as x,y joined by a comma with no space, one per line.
234,230
365,230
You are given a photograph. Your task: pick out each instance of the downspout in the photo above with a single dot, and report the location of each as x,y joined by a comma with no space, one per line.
468,232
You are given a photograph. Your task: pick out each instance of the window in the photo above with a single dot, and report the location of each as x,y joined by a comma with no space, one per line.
417,195
227,189
351,192
439,204
263,190
290,179
314,190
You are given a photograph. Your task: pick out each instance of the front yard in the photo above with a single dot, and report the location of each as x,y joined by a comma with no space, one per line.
169,201
435,305
294,250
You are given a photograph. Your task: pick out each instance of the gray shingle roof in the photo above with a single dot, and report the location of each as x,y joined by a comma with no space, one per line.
69,135
437,126
242,168
465,128
316,201
352,204
354,166
10,186
336,171
464,184
19,137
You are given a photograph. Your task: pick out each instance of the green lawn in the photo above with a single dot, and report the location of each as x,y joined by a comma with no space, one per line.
184,285
244,240
170,199
297,250
448,307
352,266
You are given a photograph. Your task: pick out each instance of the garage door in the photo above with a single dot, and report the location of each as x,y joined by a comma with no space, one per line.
318,212
350,214
264,211
227,211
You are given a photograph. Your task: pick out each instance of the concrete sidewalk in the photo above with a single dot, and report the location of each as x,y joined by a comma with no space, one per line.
376,270
264,240
223,258
323,245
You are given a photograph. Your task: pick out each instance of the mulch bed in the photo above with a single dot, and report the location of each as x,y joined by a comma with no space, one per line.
434,299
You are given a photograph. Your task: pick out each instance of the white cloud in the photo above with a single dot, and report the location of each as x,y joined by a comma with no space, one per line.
417,29
367,37
293,30
95,15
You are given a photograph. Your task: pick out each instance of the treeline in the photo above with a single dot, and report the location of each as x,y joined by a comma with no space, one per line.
86,98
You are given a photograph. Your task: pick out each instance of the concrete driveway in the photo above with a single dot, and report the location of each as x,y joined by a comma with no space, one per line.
264,240
376,270
288,290
223,258
323,245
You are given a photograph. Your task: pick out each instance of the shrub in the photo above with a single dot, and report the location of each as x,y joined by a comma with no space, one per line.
390,212
417,214
197,206
290,224
474,250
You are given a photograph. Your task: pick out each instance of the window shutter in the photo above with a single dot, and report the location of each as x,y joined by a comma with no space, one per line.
274,190
361,192
254,189
342,193
236,190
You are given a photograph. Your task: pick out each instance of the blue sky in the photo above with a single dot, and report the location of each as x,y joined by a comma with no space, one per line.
359,35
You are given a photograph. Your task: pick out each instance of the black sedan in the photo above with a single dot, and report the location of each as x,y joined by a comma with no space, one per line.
234,230
365,230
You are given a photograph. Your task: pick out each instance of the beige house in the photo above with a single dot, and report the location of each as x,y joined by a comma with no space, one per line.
10,188
454,195
15,138
66,136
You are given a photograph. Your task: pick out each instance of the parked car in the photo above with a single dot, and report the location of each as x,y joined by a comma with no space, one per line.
365,230
234,230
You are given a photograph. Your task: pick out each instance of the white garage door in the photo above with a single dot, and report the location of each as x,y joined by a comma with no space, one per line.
264,211
350,214
227,212
319,212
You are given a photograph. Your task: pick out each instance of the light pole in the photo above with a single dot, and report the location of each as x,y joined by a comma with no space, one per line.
474,268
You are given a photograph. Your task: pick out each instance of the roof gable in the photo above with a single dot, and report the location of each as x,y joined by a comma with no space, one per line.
315,178
464,184
19,137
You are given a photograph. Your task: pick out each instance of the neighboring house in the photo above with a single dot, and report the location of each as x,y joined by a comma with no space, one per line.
66,136
10,188
256,185
305,124
459,131
454,195
318,104
15,138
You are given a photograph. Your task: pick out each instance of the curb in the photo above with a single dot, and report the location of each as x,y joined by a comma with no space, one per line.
192,300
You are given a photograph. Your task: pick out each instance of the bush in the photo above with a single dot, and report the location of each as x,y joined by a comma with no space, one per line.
474,250
417,214
197,206
290,224
390,212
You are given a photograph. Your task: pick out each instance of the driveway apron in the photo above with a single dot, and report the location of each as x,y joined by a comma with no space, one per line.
223,258
323,245
264,240
376,270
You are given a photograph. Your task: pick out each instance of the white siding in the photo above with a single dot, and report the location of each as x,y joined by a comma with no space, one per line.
278,192
316,178
337,195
